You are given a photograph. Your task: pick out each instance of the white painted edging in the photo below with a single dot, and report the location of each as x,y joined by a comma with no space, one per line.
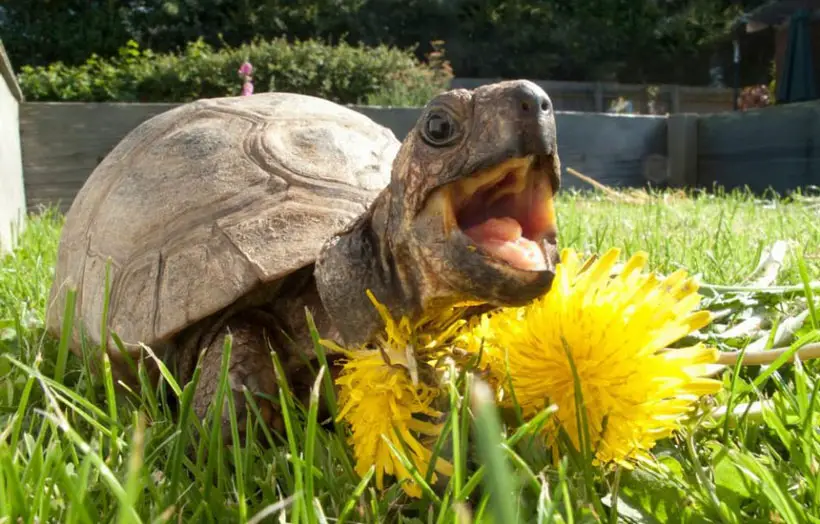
12,192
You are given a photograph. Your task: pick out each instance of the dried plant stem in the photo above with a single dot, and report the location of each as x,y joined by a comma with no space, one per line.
591,181
751,410
772,290
757,358
608,191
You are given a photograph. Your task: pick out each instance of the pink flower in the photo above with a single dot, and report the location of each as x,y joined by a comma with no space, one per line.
246,69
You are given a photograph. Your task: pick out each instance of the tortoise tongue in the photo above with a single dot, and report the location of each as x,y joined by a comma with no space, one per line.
502,238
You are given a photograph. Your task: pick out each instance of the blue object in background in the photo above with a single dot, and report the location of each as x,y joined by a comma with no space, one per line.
797,80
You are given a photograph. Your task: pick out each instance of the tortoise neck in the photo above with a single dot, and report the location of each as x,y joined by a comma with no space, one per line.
360,259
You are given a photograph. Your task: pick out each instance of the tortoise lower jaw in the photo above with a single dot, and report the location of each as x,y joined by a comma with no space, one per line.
505,214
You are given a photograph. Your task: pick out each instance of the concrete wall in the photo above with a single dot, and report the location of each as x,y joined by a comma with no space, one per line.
63,143
12,197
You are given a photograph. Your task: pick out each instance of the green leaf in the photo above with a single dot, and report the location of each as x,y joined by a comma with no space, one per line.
730,479
770,487
656,499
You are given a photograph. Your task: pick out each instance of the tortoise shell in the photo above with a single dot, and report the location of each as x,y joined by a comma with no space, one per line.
202,204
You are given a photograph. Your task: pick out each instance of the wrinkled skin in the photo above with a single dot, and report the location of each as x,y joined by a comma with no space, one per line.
410,248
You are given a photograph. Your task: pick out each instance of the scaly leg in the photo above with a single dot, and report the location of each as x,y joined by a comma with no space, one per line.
250,367
278,324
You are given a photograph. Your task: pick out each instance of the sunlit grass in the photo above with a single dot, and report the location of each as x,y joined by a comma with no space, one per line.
67,454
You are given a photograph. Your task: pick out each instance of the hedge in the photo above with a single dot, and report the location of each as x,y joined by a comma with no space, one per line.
632,41
344,73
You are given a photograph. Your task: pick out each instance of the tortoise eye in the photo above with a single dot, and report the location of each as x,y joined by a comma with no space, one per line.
439,129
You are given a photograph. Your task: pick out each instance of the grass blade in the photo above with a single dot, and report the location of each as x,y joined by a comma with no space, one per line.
785,505
133,483
455,428
239,470
111,401
321,354
500,483
286,405
108,476
66,336
215,436
310,444
533,426
784,357
804,277
15,499
357,493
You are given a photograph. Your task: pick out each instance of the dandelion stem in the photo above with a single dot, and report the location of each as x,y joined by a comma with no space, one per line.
616,487
701,475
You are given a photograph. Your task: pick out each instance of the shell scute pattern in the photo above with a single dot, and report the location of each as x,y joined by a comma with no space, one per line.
199,205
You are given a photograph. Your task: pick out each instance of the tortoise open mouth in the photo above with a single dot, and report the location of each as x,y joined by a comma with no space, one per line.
507,212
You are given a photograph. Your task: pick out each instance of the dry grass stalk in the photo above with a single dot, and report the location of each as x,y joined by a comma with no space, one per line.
627,196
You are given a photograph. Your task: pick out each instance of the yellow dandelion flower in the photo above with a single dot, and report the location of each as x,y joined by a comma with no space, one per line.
379,400
473,339
381,394
614,330
428,338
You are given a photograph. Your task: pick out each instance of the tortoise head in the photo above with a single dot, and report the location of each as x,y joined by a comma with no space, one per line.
472,196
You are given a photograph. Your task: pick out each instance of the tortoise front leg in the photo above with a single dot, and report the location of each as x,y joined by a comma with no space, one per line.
251,367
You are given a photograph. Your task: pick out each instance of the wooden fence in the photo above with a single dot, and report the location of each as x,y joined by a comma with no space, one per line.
770,148
601,96
64,142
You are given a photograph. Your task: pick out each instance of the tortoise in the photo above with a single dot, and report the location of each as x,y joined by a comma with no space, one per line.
234,215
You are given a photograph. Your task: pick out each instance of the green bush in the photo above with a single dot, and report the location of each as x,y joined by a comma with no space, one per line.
633,41
344,73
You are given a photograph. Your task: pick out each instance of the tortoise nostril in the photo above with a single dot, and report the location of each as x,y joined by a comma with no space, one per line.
529,101
533,104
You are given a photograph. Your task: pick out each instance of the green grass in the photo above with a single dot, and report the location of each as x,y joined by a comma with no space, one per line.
72,451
